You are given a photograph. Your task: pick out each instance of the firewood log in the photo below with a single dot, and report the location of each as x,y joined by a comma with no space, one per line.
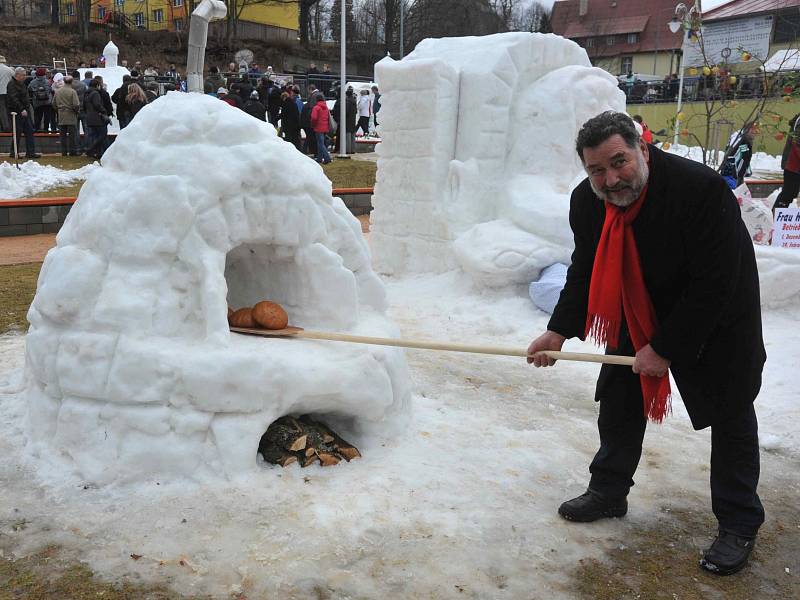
275,455
328,460
286,433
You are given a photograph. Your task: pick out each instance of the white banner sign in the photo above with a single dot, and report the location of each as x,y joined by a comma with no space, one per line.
787,228
725,41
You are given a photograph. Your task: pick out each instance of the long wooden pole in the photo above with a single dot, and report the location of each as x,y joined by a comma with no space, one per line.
429,345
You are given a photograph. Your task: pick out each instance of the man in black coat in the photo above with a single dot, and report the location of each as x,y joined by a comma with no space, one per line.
97,119
699,270
18,101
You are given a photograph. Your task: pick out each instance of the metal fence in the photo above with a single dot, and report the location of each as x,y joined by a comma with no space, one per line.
700,88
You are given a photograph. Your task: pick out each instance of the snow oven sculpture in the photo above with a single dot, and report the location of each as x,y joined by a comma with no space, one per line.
477,158
132,370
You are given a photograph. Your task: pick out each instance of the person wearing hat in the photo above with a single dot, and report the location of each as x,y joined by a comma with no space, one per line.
222,94
42,98
255,108
6,75
19,102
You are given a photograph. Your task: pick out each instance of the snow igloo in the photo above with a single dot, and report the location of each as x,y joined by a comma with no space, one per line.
477,158
132,370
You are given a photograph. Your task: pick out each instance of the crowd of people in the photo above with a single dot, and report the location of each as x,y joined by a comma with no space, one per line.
307,123
45,100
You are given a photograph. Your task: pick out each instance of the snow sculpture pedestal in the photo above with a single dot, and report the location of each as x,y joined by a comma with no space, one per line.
477,157
132,371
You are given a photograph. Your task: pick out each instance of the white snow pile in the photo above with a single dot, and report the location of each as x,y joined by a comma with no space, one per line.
32,178
763,165
132,371
477,156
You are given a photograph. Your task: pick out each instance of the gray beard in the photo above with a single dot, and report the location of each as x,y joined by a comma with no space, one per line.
634,189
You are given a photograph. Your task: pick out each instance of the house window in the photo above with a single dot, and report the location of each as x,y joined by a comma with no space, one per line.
633,38
610,40
178,24
101,12
787,27
627,64
70,9
138,19
177,3
588,43
119,2
158,15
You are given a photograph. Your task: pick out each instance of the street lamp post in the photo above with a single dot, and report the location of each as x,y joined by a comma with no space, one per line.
684,18
402,19
342,81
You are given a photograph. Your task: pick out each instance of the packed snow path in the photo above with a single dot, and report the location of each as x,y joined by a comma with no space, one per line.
461,506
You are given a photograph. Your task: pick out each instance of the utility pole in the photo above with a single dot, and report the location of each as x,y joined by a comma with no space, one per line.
343,78
402,20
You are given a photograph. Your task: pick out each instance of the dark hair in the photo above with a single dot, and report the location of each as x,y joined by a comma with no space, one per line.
638,119
76,74
598,129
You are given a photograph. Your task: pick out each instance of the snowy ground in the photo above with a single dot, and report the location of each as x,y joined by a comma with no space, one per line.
462,506
32,178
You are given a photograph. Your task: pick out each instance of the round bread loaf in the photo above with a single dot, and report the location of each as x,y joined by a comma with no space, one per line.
270,315
243,318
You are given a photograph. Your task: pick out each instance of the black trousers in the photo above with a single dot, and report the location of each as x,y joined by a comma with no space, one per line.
735,463
67,136
791,187
363,124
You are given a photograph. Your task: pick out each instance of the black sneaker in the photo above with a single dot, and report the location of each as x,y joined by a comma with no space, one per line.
728,554
591,506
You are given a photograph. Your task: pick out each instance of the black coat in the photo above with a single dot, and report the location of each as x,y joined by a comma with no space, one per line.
17,98
93,106
254,108
290,116
700,270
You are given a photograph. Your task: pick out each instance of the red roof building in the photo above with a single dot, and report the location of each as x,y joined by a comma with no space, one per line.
622,35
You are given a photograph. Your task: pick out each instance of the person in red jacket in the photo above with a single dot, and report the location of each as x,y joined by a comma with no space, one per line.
647,135
320,118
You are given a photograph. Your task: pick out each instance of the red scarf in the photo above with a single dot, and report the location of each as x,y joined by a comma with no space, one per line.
617,285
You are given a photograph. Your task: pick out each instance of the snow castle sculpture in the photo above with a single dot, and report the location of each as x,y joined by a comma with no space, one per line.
477,155
132,370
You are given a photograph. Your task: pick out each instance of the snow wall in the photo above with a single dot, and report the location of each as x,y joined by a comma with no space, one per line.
132,371
477,156
477,160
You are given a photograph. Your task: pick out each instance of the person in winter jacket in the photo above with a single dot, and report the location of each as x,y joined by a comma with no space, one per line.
364,111
351,120
274,105
97,119
310,142
254,108
135,101
19,102
790,163
67,106
80,89
119,98
376,103
58,82
214,81
6,75
290,118
320,123
664,270
42,99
